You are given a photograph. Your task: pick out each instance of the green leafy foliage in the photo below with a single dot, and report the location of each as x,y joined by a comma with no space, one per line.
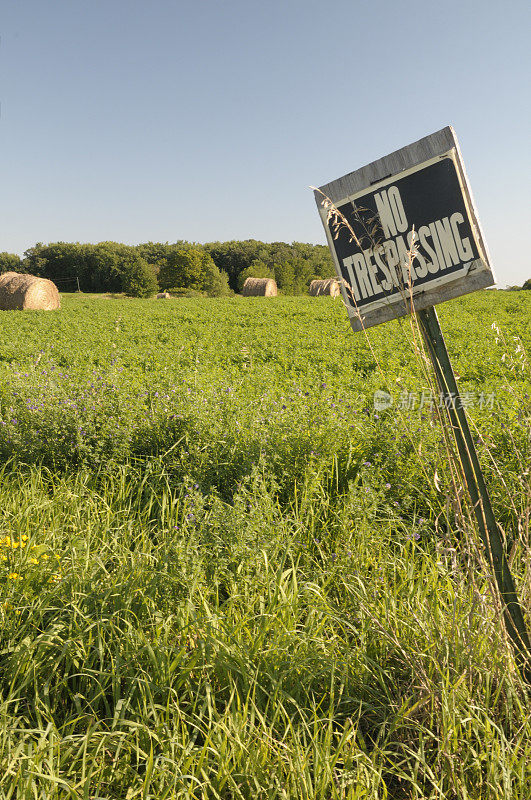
104,267
10,262
292,265
256,269
223,574
192,268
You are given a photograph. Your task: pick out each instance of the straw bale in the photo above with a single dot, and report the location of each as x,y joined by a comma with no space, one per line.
328,287
24,292
260,287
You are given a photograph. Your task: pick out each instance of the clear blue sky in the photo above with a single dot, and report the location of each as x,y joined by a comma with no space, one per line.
139,120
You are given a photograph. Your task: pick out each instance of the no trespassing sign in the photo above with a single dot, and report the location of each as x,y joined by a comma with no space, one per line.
404,230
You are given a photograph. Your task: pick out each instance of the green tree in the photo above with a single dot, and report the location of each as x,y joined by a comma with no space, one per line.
156,253
62,262
294,275
33,261
10,262
279,257
256,269
215,281
111,267
233,257
115,267
284,276
103,267
192,268
138,277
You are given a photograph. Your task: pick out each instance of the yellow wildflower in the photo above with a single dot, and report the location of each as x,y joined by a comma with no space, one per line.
14,575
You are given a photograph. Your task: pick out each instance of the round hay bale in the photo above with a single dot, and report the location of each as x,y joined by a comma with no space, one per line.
163,296
260,287
24,292
328,287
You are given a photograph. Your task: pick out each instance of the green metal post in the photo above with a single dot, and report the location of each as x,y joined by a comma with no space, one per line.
488,528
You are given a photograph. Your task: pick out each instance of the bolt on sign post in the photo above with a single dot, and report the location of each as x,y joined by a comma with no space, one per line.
404,235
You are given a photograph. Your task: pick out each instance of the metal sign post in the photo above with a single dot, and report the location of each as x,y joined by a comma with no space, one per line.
488,528
404,235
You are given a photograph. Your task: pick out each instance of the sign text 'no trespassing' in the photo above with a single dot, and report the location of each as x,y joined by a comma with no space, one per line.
411,234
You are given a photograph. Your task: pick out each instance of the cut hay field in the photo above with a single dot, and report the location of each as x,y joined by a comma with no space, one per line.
223,574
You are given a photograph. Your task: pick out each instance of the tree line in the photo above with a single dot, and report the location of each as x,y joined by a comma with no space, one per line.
526,285
214,269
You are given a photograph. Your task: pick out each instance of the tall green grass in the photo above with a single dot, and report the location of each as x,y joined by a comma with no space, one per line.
287,607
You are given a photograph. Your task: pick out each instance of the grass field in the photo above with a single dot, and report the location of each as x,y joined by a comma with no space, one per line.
225,575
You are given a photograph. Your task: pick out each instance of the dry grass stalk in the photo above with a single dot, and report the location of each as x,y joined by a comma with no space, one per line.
24,292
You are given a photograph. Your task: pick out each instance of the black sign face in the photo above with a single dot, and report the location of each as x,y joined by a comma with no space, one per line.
404,232
408,233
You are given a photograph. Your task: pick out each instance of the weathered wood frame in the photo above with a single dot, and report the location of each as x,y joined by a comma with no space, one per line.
377,174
